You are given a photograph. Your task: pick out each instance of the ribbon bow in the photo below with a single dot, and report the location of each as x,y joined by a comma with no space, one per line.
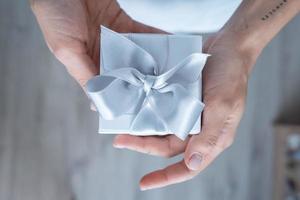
131,84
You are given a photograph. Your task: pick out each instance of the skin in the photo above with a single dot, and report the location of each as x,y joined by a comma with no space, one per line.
71,30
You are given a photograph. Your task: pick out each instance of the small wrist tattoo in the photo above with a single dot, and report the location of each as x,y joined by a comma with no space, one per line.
273,10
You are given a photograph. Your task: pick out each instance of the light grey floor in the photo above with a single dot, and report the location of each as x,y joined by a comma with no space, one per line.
49,148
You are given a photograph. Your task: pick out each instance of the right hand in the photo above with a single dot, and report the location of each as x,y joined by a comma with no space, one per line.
225,80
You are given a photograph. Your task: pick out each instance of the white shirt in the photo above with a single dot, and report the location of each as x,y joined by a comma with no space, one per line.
193,16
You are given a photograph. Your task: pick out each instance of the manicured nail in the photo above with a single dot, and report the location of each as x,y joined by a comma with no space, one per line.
143,188
195,161
116,145
93,107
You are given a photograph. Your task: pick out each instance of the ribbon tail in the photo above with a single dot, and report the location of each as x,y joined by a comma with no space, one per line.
177,108
187,71
147,120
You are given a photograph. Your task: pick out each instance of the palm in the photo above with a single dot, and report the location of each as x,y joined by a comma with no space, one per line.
225,84
224,92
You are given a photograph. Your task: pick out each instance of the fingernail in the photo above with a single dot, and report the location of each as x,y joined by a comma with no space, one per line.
195,161
143,188
93,107
116,145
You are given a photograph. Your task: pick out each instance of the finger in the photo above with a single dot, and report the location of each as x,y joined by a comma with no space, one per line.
219,125
71,51
166,146
172,174
79,65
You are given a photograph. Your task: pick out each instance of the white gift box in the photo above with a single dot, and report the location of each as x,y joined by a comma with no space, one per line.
167,51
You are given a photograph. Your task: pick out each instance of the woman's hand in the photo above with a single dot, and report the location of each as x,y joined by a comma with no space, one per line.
225,79
71,30
234,50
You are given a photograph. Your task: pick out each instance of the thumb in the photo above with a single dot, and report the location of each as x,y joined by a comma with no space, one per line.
79,65
216,135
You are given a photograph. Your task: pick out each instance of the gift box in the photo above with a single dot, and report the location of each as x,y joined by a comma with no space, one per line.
149,84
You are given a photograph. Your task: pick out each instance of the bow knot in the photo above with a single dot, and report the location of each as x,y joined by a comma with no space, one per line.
152,82
148,83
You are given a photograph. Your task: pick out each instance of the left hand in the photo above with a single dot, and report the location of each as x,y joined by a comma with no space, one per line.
225,80
71,30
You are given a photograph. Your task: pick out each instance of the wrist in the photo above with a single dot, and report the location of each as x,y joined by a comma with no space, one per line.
256,22
234,43
243,40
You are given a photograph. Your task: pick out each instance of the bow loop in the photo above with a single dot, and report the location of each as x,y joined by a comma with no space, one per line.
133,55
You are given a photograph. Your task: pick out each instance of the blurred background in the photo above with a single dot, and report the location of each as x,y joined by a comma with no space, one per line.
49,148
